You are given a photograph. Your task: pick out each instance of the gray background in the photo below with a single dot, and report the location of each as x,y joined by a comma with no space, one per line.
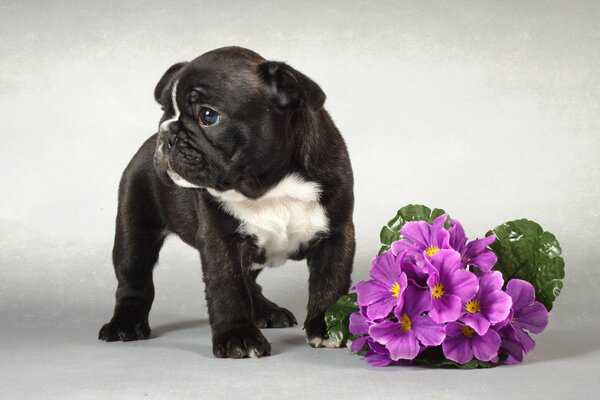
490,110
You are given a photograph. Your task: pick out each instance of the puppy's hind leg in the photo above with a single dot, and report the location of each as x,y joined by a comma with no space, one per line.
138,240
266,313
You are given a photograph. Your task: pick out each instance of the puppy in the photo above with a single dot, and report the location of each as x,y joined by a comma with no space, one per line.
249,169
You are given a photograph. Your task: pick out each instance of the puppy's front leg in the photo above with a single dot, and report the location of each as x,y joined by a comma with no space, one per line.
330,266
234,332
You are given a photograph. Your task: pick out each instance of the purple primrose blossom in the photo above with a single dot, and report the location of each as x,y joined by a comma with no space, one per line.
489,306
475,252
386,288
450,285
527,314
413,331
462,344
423,240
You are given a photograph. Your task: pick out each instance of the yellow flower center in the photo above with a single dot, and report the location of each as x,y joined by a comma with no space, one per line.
406,323
467,331
473,306
431,250
438,290
395,290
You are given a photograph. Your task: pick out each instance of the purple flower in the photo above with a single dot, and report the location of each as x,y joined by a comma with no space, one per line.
386,288
475,252
378,355
463,343
527,314
405,338
450,285
489,306
424,239
359,326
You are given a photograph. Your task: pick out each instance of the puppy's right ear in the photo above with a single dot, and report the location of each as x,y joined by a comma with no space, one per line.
164,82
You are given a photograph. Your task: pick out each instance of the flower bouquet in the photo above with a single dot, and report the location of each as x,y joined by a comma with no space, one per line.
434,298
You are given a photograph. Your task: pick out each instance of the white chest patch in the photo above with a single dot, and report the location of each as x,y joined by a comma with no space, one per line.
284,218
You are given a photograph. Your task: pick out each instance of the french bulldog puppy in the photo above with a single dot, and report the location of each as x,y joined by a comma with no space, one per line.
248,168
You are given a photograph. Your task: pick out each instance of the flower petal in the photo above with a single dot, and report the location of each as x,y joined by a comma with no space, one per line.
478,246
358,344
526,341
370,292
484,261
378,347
453,329
417,301
495,306
415,274
533,318
359,325
428,332
377,359
486,347
521,292
384,331
400,344
490,282
458,238
439,235
381,309
445,262
458,349
445,309
404,246
463,284
478,322
418,232
511,345
404,346
385,269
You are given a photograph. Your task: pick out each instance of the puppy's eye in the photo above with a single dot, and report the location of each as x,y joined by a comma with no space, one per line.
209,117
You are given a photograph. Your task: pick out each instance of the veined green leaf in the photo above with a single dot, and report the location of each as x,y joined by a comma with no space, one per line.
337,318
525,251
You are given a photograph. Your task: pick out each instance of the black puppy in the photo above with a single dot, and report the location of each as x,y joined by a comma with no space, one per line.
261,175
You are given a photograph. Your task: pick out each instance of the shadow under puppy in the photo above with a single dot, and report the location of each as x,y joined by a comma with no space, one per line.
248,168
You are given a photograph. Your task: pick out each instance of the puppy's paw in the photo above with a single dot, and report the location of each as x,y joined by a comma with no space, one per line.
323,342
124,330
316,333
274,317
240,343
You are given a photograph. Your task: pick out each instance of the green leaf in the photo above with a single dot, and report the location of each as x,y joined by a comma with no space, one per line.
525,251
412,212
337,318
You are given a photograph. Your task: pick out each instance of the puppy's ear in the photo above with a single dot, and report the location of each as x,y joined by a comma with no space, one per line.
163,83
291,89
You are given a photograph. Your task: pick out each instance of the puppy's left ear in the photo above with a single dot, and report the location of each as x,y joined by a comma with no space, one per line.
165,81
290,88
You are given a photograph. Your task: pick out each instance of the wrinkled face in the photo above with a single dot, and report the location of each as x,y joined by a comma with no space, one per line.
218,124
226,119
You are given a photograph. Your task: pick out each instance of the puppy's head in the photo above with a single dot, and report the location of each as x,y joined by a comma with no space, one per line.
227,119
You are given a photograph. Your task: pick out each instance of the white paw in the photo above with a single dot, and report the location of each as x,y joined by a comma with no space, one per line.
320,342
252,353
